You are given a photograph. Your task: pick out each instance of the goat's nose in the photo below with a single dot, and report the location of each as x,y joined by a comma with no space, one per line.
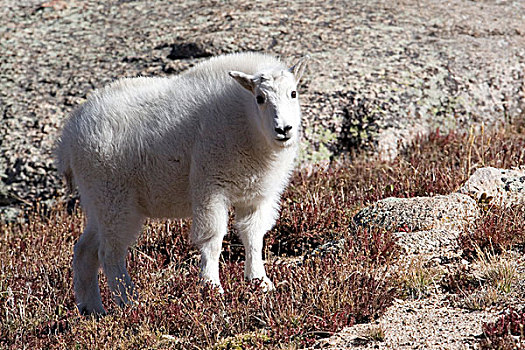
284,130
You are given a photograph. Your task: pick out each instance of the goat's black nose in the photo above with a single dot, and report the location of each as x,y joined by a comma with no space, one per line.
283,131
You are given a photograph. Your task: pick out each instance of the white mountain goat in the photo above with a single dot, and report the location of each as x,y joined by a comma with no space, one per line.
223,134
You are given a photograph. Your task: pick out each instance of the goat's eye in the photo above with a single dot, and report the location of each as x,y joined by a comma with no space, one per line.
260,99
294,94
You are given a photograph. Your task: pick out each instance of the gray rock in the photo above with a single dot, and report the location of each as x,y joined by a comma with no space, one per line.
381,72
501,187
191,50
10,214
434,242
423,225
5,197
451,212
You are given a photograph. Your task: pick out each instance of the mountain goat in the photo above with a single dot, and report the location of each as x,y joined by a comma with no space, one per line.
222,134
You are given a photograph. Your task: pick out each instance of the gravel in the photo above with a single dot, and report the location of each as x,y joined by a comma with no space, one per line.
431,323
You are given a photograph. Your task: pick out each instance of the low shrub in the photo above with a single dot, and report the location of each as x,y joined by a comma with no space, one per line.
498,230
507,332
315,297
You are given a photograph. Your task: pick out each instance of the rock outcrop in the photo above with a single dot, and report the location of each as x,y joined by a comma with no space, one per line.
432,224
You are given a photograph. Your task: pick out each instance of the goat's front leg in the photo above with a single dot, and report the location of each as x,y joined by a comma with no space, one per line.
253,222
210,224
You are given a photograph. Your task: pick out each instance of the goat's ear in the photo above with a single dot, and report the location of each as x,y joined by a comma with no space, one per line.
298,69
247,81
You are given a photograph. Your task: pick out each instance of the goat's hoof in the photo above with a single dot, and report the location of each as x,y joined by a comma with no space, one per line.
267,285
96,312
264,283
212,285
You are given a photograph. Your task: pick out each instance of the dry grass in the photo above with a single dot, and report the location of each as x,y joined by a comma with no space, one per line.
497,230
498,271
419,280
315,297
376,333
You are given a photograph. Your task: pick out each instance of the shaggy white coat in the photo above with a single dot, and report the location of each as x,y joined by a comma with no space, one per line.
223,134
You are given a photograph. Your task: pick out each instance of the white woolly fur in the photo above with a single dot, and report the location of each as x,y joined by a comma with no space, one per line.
222,135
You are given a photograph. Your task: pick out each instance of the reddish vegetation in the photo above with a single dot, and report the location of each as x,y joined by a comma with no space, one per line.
507,333
316,295
498,229
314,298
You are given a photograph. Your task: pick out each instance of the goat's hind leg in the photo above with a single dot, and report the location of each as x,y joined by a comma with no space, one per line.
116,236
85,271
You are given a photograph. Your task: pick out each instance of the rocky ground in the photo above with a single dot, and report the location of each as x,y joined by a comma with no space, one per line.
381,73
428,229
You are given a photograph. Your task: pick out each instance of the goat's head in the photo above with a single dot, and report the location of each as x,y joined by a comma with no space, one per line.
276,101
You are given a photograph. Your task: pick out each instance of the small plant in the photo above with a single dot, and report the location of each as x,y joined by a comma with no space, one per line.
499,229
508,332
468,290
460,281
480,299
489,281
418,279
242,341
376,333
498,271
488,246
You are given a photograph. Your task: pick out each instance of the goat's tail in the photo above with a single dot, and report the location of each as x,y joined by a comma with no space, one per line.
63,164
68,176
